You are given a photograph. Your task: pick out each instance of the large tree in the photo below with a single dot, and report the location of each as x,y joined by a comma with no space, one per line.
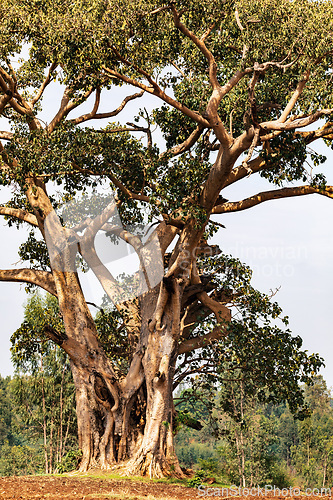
236,84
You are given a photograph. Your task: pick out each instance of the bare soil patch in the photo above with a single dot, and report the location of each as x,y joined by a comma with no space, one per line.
87,488
90,488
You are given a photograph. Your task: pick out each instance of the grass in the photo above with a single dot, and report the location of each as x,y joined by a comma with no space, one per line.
116,476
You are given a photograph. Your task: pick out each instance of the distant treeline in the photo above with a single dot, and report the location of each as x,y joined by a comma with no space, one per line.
258,444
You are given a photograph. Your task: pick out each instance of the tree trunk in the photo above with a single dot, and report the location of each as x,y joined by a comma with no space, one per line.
107,434
126,421
156,456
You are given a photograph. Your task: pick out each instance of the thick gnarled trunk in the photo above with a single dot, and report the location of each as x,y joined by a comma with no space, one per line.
123,422
156,456
104,445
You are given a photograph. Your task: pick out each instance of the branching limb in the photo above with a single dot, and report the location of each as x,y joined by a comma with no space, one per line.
222,313
275,194
7,136
43,279
252,98
18,213
93,115
12,98
12,72
296,122
238,21
198,342
125,190
255,165
98,222
157,91
187,144
66,106
43,86
212,107
4,100
156,321
141,71
132,240
146,130
325,132
294,98
200,43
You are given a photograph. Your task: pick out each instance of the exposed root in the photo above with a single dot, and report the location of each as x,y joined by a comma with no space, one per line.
156,467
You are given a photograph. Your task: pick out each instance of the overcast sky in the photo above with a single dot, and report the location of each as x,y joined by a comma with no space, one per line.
288,243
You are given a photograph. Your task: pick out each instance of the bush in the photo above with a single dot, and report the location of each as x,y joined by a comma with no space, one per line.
197,479
210,465
70,461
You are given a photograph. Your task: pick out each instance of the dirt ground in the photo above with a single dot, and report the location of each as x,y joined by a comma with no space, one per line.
74,488
88,488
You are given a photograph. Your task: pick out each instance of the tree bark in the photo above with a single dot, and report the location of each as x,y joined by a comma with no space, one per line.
129,421
156,456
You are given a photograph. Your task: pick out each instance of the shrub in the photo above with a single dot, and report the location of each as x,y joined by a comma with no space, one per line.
70,461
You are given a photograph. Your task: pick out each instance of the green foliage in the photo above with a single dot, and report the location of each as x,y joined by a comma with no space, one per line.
70,461
20,460
31,340
19,454
256,352
198,478
113,336
43,390
210,465
277,449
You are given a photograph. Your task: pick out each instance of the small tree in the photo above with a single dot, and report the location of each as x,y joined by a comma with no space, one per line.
236,85
42,389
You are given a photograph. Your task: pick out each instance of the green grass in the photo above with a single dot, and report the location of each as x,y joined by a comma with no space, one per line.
116,476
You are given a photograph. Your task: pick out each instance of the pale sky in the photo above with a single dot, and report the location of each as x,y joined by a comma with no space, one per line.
288,243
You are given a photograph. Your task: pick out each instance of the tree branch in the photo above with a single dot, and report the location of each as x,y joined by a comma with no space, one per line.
186,145
200,44
15,100
255,165
222,313
294,98
157,91
7,136
198,342
18,213
45,83
66,106
93,115
271,195
295,122
43,279
146,130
